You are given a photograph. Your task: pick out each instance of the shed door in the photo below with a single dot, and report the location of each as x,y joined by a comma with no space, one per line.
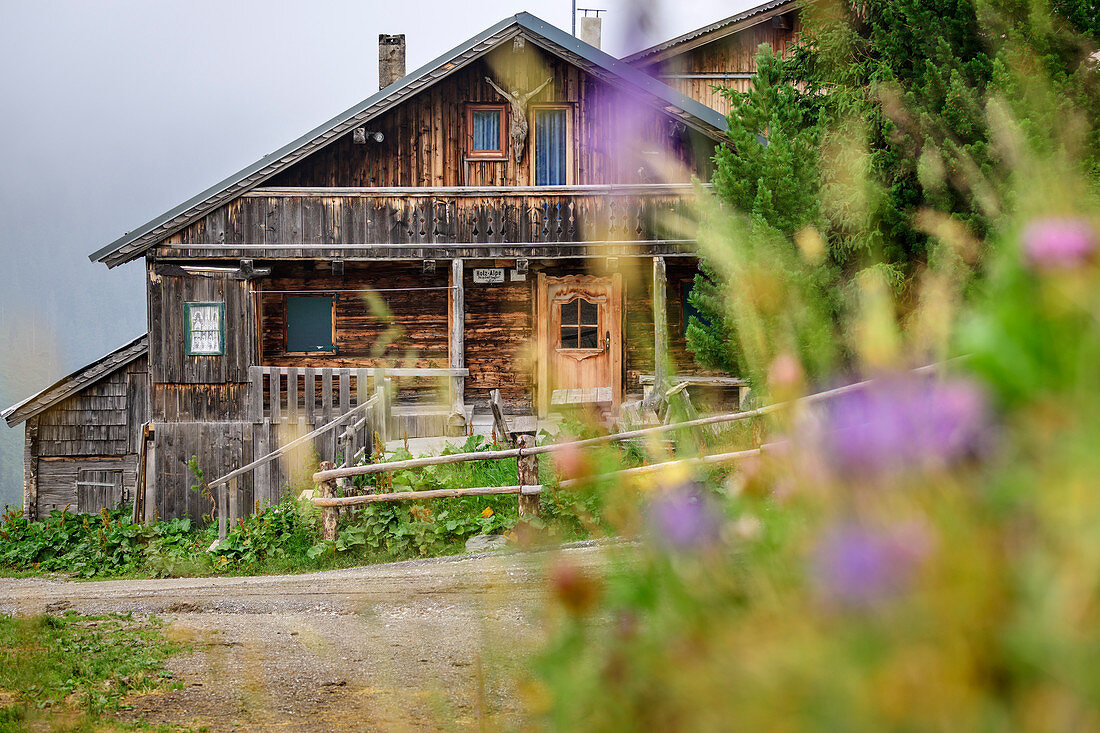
580,341
98,489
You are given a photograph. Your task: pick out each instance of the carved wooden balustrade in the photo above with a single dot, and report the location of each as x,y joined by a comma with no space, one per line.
316,217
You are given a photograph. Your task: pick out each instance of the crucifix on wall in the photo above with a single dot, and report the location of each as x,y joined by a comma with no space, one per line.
517,130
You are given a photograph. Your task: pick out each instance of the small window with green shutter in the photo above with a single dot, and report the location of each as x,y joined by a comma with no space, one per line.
309,324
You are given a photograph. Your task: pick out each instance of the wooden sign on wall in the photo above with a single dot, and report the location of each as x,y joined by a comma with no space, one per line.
488,275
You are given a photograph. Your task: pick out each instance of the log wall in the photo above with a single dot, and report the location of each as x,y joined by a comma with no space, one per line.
389,319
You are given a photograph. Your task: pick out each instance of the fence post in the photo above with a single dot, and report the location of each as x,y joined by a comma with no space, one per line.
329,514
528,475
223,509
234,498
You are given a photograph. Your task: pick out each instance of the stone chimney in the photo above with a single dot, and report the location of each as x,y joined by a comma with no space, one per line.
391,59
591,30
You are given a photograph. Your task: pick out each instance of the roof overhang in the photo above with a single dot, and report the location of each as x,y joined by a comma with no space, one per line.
78,380
542,34
713,32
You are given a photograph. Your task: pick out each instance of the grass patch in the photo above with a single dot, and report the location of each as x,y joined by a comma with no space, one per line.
69,672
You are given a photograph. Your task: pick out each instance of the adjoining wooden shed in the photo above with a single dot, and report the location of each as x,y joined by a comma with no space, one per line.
83,434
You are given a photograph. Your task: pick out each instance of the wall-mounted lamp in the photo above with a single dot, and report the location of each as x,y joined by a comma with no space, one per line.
360,135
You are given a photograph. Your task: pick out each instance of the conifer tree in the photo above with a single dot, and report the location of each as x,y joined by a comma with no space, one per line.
769,173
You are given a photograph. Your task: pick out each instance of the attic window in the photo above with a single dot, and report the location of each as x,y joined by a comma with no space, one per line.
205,325
485,131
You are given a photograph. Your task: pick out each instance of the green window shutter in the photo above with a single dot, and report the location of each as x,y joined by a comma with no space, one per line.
309,323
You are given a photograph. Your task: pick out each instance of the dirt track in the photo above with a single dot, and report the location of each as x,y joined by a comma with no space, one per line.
386,647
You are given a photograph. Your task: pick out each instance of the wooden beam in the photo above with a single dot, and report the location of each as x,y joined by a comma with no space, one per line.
660,325
703,381
457,346
496,404
527,474
326,501
150,506
385,192
329,515
711,460
30,469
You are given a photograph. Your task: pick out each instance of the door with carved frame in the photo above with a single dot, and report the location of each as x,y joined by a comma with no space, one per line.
579,340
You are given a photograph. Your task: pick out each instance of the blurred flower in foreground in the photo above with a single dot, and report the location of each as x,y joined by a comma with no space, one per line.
1059,243
683,519
855,566
903,424
574,588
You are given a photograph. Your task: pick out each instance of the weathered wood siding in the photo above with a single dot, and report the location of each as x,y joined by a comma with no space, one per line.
385,314
168,360
198,402
500,340
104,419
218,447
733,54
57,479
425,136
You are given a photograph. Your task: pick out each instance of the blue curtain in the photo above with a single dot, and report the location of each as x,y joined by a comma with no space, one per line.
486,132
550,147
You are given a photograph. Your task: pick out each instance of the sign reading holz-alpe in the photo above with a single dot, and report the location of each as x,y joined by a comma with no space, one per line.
488,275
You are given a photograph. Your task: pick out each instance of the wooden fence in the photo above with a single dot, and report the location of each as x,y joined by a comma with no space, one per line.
350,434
527,454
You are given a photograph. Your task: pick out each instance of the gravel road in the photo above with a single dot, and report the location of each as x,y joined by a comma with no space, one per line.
423,644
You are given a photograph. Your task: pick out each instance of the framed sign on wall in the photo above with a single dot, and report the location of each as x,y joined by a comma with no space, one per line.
205,328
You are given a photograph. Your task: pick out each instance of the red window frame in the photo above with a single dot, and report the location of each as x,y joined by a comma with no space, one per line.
501,152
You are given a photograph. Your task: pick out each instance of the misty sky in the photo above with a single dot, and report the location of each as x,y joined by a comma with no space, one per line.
114,112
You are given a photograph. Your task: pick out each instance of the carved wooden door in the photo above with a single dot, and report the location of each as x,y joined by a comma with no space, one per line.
580,340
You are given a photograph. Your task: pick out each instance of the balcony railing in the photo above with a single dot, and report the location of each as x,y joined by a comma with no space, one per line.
315,396
317,217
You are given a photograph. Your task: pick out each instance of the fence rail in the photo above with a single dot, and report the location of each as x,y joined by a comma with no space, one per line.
355,427
527,454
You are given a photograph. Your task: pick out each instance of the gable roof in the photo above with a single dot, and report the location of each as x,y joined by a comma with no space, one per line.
714,31
78,380
542,34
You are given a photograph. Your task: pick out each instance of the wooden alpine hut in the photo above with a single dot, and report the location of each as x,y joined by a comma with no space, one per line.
498,219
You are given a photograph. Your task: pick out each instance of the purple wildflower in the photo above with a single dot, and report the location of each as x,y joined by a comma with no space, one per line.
683,519
1052,244
855,567
904,424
